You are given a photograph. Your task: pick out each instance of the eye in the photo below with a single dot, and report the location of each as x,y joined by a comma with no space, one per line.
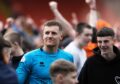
47,32
99,41
54,33
88,34
106,41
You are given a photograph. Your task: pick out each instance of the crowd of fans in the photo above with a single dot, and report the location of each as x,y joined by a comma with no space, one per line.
59,52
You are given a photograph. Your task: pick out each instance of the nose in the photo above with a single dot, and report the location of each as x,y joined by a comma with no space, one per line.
50,35
102,44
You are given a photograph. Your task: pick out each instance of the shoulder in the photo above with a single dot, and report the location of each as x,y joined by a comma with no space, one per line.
29,55
92,60
65,54
69,46
33,52
6,74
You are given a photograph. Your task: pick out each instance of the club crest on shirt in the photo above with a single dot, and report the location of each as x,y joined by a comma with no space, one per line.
117,79
42,64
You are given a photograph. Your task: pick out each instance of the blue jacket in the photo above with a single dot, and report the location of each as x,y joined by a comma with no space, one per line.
7,74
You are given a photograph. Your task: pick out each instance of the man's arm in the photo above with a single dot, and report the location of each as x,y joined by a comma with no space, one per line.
23,69
67,26
93,17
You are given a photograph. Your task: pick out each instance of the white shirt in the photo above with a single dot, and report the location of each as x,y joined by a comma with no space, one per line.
79,55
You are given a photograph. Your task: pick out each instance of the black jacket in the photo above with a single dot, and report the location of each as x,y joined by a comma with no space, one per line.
7,74
15,61
97,70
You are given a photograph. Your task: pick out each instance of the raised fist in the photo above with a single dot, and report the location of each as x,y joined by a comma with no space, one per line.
91,3
53,5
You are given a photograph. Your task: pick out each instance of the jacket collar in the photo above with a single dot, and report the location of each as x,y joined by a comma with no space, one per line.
115,49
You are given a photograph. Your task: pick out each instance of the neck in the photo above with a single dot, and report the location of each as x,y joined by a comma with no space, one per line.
109,56
79,45
50,49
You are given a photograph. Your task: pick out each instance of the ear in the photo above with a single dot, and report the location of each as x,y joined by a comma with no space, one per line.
59,78
114,40
61,36
16,43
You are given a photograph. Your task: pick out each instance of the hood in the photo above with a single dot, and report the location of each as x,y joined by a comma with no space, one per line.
98,54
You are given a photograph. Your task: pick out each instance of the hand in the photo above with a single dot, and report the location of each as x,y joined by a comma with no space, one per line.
9,22
91,3
53,5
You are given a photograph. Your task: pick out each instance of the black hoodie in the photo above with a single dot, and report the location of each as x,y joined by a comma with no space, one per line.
97,70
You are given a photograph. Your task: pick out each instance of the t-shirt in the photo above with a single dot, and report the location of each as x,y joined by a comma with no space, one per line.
79,55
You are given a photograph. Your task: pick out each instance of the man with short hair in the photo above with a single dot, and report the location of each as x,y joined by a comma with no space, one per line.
17,52
36,64
83,36
63,72
104,66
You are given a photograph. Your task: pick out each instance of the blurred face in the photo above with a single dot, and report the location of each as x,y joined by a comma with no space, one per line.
85,36
51,36
105,44
71,78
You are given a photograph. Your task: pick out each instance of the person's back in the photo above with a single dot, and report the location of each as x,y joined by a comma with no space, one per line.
7,74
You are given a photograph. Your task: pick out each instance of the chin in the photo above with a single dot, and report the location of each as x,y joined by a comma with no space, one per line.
105,52
50,45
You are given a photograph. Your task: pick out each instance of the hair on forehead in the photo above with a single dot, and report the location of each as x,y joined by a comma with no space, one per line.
81,26
105,31
14,37
53,23
61,67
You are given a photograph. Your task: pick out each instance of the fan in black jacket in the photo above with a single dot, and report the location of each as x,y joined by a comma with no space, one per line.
104,66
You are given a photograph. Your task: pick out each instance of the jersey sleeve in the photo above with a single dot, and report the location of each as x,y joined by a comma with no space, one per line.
24,67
